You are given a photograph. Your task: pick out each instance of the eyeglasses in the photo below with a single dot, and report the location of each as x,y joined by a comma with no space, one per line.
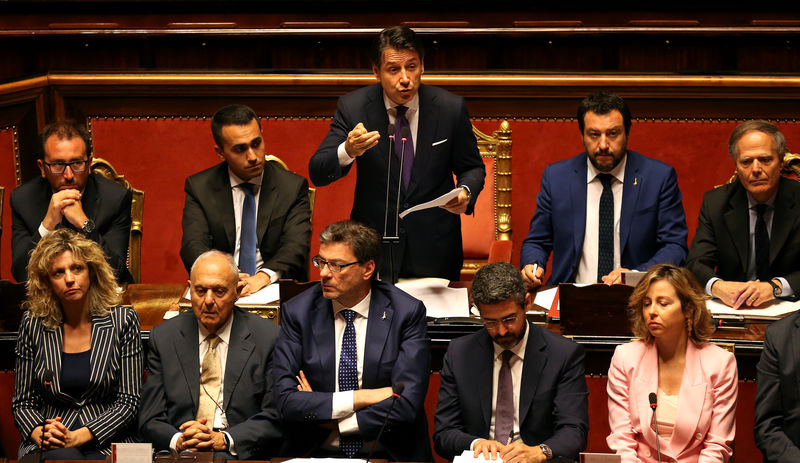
493,324
59,167
319,263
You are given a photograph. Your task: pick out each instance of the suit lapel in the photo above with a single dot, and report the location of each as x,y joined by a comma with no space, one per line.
187,349
645,382
53,343
266,203
795,341
782,221
578,200
532,366
630,195
690,401
737,221
427,127
381,315
484,362
102,335
239,352
90,200
223,202
324,338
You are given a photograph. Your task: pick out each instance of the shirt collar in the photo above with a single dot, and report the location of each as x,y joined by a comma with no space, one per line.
412,105
235,180
617,172
361,308
752,203
519,349
224,332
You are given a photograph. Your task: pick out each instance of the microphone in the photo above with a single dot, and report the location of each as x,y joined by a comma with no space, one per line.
653,404
36,457
405,132
389,240
397,391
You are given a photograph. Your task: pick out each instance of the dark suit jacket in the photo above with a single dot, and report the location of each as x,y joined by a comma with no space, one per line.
170,396
652,224
553,406
397,350
105,202
721,246
777,414
109,404
430,240
283,226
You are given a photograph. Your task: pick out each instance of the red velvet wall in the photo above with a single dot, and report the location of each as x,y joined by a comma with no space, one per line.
7,180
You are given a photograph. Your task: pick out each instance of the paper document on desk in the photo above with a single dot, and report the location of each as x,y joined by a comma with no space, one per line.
772,310
545,298
324,460
466,457
263,297
440,201
439,300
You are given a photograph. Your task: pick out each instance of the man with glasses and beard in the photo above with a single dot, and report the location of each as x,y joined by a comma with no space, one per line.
69,195
606,210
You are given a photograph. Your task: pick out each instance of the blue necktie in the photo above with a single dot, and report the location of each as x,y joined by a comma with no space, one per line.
348,377
605,241
407,154
247,240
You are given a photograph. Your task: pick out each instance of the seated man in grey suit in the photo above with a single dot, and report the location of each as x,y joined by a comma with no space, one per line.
540,372
69,195
209,385
245,206
747,247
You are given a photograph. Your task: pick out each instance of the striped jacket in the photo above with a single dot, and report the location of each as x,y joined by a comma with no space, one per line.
108,406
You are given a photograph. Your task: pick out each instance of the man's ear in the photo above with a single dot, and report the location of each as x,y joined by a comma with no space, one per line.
218,150
377,72
42,167
369,269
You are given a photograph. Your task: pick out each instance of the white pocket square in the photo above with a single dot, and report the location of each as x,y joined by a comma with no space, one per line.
439,142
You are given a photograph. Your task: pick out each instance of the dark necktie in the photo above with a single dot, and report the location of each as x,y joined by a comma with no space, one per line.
504,407
348,377
762,244
247,239
407,154
605,241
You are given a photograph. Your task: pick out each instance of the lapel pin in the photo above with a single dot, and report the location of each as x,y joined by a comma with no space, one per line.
384,316
635,181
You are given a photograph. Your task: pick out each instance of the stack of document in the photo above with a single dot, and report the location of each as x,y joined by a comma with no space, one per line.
440,300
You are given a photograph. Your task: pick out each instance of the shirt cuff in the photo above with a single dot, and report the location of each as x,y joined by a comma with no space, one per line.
342,404
472,445
349,425
173,443
786,289
344,158
231,447
43,231
710,283
273,275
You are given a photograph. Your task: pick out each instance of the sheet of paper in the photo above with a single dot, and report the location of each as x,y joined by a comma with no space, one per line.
440,201
770,311
466,457
545,298
439,300
263,297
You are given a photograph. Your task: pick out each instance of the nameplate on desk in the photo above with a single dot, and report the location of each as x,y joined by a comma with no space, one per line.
131,453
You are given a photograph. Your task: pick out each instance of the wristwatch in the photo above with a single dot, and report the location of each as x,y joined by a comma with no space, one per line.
546,451
88,226
776,290
227,441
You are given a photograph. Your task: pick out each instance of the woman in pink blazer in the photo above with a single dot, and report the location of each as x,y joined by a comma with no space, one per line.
695,381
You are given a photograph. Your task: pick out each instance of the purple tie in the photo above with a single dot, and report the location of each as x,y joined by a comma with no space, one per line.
408,154
504,407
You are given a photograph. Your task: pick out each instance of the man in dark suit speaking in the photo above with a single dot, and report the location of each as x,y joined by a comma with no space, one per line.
245,206
209,386
344,344
69,195
512,389
747,247
440,143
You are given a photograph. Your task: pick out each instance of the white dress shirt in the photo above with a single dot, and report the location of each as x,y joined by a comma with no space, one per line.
238,202
587,266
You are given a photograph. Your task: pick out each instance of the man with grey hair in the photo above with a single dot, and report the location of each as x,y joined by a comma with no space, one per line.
496,415
209,386
746,250
346,346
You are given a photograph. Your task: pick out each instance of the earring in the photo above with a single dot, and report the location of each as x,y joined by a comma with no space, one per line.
689,326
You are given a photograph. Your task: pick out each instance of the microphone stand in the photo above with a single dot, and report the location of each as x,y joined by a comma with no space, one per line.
653,404
390,241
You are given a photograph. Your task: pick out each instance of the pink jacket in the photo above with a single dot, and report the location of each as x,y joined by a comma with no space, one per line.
706,419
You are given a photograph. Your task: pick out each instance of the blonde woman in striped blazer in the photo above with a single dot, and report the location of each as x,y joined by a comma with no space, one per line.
79,356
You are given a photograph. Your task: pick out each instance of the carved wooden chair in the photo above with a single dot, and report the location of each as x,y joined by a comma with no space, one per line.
312,192
487,234
104,168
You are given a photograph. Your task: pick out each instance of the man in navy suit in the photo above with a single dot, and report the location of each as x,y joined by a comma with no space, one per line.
511,362
343,345
227,407
440,144
642,224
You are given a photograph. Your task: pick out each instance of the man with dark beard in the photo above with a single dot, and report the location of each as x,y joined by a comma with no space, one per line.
606,210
